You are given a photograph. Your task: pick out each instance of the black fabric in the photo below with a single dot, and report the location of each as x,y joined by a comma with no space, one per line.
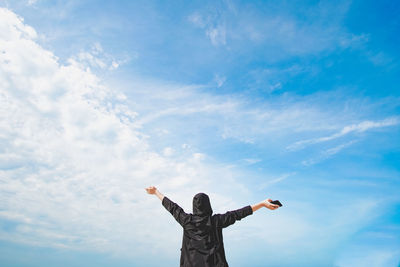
202,243
201,205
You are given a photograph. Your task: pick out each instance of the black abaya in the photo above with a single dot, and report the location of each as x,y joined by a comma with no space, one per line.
202,244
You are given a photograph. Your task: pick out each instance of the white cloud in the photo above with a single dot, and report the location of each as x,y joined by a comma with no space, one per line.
274,180
96,58
369,257
217,35
168,151
278,27
379,58
197,20
359,127
32,2
277,122
220,80
251,161
15,28
73,163
214,27
275,86
327,153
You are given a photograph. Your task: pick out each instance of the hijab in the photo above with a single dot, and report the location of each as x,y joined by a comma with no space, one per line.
200,227
201,205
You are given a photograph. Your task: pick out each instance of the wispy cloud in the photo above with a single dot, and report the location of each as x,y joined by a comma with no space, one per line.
276,180
31,2
251,161
327,153
96,58
217,35
278,121
374,257
353,128
278,29
220,80
213,25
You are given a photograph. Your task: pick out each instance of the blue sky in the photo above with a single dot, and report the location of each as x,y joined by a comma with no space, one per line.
244,100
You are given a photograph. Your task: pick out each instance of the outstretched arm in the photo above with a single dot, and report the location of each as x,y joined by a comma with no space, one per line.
179,214
152,190
265,203
228,218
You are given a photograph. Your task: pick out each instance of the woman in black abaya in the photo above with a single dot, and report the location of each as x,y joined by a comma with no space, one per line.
202,244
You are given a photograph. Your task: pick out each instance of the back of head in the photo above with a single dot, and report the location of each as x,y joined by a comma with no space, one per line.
201,205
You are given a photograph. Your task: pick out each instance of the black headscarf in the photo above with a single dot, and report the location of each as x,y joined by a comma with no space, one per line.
201,224
201,205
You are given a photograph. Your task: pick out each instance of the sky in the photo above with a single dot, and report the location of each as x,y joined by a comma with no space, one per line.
244,100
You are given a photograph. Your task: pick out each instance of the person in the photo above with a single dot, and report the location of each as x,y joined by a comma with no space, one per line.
202,243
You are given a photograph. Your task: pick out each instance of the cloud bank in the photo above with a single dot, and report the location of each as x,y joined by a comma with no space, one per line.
73,163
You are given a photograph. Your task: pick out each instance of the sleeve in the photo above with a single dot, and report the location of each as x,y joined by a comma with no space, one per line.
179,214
230,217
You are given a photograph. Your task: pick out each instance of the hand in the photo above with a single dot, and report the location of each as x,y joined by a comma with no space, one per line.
151,190
269,205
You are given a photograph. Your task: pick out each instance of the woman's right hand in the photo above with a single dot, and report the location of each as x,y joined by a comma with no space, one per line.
151,190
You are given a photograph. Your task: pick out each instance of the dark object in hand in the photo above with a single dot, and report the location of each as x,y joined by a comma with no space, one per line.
276,202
